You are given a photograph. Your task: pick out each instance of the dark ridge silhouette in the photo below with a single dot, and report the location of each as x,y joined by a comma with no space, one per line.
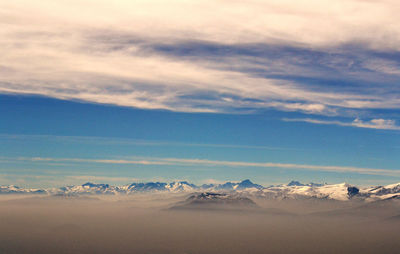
209,200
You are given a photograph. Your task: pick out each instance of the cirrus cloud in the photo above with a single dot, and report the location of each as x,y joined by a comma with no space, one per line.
218,163
383,124
316,57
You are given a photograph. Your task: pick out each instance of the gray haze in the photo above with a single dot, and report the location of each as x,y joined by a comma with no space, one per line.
143,223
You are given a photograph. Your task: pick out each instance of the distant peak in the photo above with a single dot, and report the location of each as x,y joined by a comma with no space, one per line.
89,184
246,181
295,183
248,184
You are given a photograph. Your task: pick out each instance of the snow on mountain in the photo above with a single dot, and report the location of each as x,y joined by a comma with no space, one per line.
87,188
245,185
12,189
297,183
341,191
381,192
181,186
292,190
92,188
394,187
144,187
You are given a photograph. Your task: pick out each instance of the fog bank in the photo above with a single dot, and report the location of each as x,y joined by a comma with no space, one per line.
143,224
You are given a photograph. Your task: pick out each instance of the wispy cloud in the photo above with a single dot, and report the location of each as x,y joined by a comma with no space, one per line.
204,57
130,141
382,124
216,163
106,161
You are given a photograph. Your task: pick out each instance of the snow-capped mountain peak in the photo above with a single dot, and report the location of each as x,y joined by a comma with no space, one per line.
293,190
180,186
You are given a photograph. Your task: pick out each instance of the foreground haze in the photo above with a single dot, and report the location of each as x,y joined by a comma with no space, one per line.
180,217
152,223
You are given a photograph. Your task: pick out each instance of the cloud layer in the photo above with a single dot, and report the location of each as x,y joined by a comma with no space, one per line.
371,124
216,163
316,57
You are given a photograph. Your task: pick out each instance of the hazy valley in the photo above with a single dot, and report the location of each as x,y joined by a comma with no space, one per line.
197,221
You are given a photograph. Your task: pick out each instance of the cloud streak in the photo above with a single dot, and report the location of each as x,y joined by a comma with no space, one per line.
219,163
381,124
129,141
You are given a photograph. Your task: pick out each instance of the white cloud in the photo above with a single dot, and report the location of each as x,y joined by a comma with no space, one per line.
127,141
386,124
91,50
106,161
213,163
383,124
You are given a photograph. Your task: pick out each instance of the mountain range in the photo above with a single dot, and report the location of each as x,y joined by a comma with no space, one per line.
292,190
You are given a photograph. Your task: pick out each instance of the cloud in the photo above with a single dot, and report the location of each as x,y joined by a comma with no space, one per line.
382,124
129,141
93,178
106,161
385,124
316,57
213,163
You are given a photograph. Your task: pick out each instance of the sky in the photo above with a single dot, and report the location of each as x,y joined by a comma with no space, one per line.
204,91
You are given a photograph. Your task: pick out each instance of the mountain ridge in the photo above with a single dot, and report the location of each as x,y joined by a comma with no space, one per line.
292,190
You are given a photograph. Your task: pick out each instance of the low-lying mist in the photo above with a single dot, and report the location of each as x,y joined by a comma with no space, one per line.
143,223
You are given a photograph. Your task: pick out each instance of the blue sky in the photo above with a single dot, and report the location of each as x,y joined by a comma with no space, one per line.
122,91
50,142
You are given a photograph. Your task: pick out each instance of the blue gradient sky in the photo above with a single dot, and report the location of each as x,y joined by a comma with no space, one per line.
122,91
50,142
